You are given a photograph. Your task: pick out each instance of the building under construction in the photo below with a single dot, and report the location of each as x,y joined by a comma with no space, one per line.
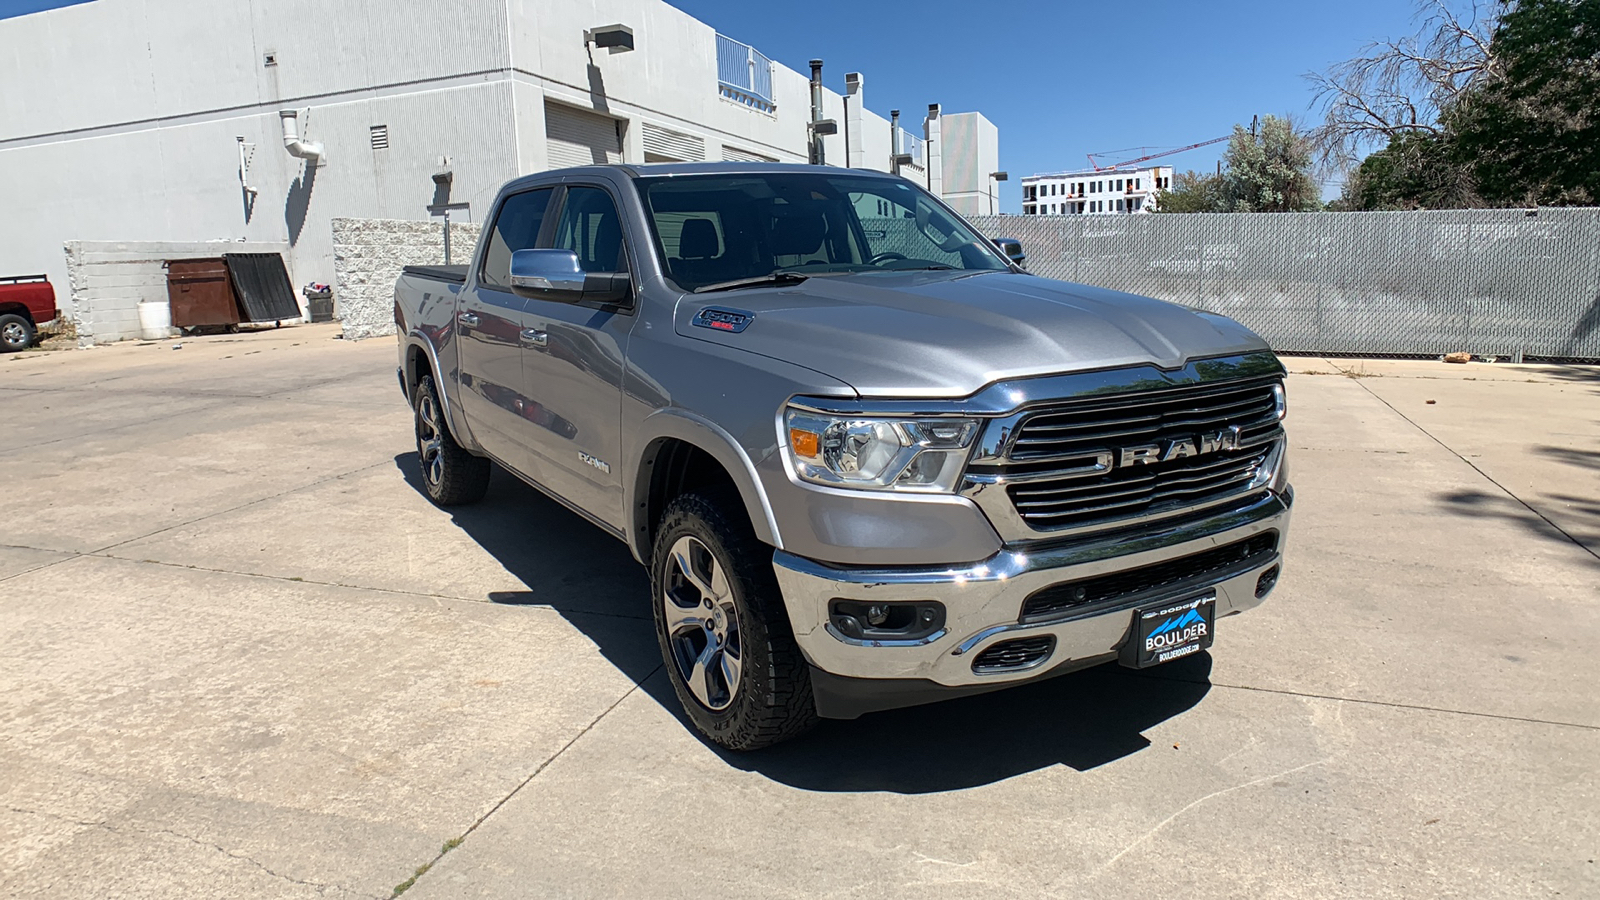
1095,191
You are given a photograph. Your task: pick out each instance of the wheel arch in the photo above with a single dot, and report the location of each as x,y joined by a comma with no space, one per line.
683,452
422,358
17,309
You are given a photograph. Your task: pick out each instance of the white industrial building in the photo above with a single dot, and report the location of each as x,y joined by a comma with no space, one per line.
1089,192
260,121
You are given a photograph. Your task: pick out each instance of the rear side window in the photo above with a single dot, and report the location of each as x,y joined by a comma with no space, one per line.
515,228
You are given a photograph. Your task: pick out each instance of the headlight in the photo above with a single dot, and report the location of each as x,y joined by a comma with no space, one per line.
893,454
1280,401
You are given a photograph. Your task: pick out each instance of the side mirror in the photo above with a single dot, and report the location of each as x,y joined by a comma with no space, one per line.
1012,248
557,275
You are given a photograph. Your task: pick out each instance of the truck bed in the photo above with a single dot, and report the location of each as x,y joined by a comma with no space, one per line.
453,274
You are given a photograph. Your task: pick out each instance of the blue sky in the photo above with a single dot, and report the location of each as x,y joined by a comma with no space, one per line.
9,8
1060,79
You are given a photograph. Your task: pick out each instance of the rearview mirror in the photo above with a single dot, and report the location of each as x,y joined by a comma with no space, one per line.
557,275
1012,248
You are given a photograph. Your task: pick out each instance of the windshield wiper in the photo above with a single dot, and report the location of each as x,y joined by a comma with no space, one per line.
773,278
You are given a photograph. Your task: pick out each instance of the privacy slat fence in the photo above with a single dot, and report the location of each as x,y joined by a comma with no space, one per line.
1503,282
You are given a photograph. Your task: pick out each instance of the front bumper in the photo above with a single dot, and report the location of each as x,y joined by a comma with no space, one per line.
984,603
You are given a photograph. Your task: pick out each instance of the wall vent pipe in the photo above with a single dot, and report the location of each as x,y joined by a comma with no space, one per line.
816,112
307,150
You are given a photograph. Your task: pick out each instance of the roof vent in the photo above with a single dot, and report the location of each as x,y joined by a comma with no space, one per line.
380,137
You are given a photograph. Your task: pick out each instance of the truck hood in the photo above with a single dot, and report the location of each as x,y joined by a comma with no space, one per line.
945,334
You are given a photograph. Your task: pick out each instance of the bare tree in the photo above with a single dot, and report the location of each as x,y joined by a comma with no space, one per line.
1398,87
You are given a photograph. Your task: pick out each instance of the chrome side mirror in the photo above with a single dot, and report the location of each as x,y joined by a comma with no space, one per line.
557,275
538,273
1012,248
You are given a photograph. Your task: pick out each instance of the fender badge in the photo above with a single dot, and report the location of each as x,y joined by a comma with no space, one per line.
721,318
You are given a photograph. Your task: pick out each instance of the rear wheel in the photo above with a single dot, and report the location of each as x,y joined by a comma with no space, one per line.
723,629
16,333
450,474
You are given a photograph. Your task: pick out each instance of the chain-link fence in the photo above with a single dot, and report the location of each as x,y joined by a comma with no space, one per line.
1490,281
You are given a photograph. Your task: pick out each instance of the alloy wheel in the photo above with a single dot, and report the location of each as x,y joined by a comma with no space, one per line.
430,439
702,624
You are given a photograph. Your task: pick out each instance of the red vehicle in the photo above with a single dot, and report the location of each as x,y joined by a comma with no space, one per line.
26,302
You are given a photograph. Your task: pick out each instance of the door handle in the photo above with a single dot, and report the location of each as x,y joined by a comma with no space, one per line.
468,319
533,337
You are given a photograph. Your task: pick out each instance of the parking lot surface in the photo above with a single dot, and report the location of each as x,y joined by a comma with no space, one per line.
242,656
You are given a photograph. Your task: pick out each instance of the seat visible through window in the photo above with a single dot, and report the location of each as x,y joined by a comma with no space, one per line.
590,227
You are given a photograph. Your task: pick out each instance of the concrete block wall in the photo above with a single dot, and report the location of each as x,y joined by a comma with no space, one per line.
108,279
368,255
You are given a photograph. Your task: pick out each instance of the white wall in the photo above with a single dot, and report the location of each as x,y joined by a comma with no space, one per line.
970,155
119,118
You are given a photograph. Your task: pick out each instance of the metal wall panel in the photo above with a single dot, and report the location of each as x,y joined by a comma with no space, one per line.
1488,281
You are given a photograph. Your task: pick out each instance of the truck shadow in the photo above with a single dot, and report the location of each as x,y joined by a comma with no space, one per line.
1082,720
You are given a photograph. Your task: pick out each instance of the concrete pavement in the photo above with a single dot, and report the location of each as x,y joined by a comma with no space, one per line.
241,655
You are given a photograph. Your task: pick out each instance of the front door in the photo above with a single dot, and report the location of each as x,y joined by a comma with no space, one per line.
489,322
572,363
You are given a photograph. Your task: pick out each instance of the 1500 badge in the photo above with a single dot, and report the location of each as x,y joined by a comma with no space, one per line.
721,318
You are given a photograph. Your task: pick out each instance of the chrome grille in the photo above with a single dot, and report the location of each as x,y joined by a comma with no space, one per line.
1053,482
1144,417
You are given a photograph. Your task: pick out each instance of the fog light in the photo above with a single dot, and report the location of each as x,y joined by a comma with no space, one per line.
1265,583
908,621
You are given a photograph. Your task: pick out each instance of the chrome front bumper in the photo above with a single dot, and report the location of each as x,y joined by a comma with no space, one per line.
984,602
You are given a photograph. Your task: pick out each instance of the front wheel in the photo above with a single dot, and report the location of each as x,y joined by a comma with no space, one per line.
723,628
450,474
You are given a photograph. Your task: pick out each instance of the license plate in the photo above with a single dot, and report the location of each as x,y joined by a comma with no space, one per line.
1169,631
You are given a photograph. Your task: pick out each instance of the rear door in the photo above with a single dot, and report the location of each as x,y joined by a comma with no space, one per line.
489,324
572,361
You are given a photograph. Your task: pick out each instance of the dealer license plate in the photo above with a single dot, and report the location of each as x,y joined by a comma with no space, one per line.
1170,630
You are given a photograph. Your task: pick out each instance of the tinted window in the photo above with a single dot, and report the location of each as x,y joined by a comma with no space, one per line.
515,228
715,228
590,227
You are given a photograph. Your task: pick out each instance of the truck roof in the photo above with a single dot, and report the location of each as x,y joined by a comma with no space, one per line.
651,170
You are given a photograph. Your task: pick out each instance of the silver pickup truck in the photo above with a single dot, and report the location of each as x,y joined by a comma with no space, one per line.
869,461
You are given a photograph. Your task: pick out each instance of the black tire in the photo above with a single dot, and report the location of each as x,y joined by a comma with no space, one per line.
771,701
450,475
16,333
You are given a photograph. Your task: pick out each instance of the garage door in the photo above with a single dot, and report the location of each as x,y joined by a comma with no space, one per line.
734,154
577,137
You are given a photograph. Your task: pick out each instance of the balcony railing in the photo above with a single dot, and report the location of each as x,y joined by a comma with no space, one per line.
744,74
912,145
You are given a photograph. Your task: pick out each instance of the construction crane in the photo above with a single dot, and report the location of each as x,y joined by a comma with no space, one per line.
1128,162
1255,123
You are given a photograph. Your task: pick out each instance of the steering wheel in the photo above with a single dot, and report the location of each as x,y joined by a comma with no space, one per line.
886,256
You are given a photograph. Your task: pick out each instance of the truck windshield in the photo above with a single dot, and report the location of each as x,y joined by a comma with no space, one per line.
714,229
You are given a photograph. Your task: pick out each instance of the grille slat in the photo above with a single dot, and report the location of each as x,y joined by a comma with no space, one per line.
1171,396
1019,653
1047,440
1111,590
1174,487
1252,407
